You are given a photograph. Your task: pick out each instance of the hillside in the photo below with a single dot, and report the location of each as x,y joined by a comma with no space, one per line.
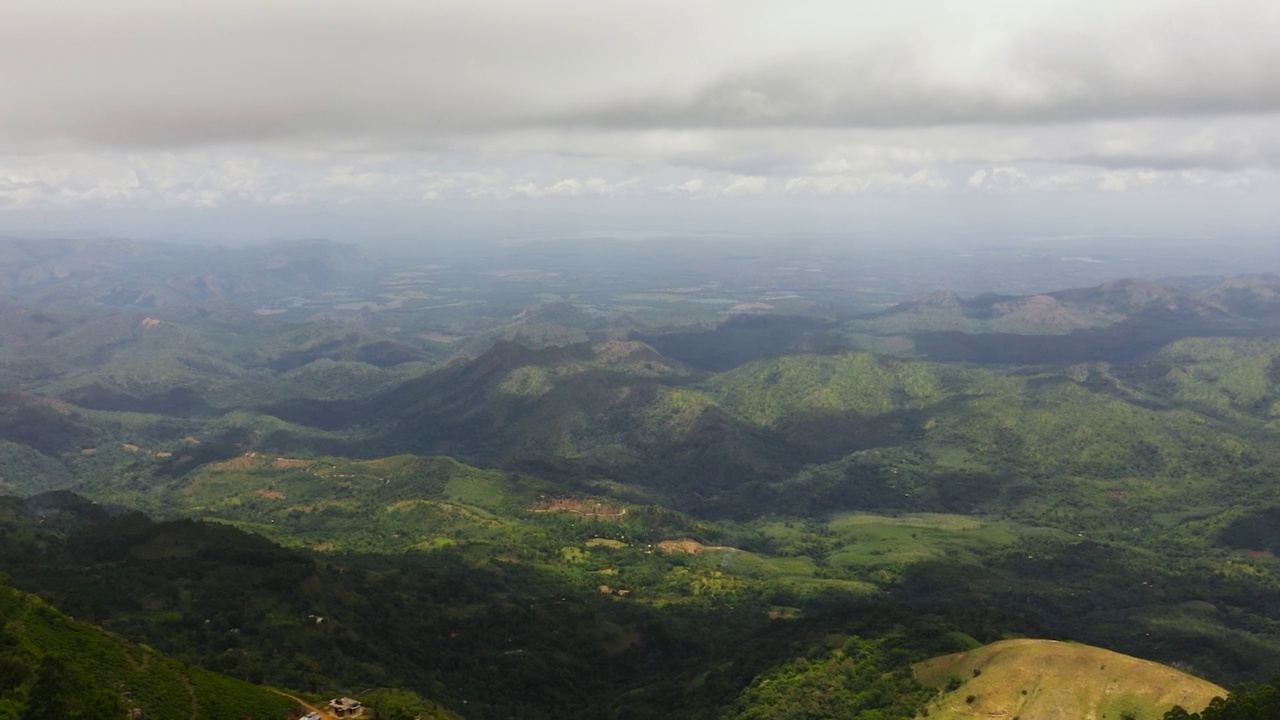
56,667
738,516
1203,605
1047,680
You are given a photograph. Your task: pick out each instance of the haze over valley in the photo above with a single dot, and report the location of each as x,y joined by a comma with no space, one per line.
714,360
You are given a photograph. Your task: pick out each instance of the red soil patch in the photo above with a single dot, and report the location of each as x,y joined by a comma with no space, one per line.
269,494
257,461
288,462
691,547
613,592
784,615
19,399
585,508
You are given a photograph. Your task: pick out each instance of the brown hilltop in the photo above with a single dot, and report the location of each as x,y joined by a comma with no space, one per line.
1051,680
1039,310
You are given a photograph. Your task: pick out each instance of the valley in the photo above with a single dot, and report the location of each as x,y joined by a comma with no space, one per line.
731,491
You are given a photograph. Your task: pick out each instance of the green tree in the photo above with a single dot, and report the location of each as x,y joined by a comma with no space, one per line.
1246,703
58,694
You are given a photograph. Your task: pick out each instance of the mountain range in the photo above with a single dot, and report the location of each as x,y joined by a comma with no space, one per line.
622,517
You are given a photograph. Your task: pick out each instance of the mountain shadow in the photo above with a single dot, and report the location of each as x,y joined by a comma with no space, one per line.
1124,341
742,339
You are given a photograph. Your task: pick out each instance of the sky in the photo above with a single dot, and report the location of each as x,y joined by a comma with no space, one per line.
383,116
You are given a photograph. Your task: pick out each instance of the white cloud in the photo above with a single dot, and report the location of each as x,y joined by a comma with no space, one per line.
752,185
1042,179
228,179
999,178
144,103
695,187
922,179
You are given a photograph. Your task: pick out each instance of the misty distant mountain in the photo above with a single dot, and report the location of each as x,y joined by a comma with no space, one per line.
1121,298
1118,320
127,273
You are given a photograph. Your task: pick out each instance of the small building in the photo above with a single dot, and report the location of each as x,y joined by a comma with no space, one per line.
345,708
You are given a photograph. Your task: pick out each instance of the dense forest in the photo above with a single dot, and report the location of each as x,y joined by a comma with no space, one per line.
555,514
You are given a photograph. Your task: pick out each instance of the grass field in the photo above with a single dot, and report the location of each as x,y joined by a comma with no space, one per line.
874,540
1050,680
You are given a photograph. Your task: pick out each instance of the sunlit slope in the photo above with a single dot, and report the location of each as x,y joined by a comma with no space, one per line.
1078,421
1050,680
1233,378
395,503
1068,446
767,420
887,433
1088,447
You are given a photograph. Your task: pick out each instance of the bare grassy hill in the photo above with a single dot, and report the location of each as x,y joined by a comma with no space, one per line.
1050,680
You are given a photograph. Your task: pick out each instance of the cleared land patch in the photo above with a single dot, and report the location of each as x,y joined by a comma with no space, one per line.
692,547
586,508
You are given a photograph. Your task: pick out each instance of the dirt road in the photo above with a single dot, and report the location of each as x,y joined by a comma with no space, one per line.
306,705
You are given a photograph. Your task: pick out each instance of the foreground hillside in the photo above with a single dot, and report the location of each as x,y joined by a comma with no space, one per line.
625,632
1047,680
627,560
52,667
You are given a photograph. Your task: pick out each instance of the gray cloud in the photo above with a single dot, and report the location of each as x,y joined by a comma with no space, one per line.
1194,61
116,103
128,72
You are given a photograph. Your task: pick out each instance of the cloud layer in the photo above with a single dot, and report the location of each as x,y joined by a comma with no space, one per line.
147,101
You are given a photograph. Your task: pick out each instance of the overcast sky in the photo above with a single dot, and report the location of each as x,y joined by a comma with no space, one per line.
1141,110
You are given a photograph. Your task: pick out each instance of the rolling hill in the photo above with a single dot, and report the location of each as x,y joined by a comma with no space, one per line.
725,521
1047,680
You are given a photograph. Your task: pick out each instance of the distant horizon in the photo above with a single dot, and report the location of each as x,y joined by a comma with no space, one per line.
1014,265
914,223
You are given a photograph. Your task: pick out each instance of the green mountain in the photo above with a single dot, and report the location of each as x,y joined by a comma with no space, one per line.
1130,465
745,519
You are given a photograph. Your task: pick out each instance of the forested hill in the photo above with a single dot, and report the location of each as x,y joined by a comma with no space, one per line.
55,668
623,518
